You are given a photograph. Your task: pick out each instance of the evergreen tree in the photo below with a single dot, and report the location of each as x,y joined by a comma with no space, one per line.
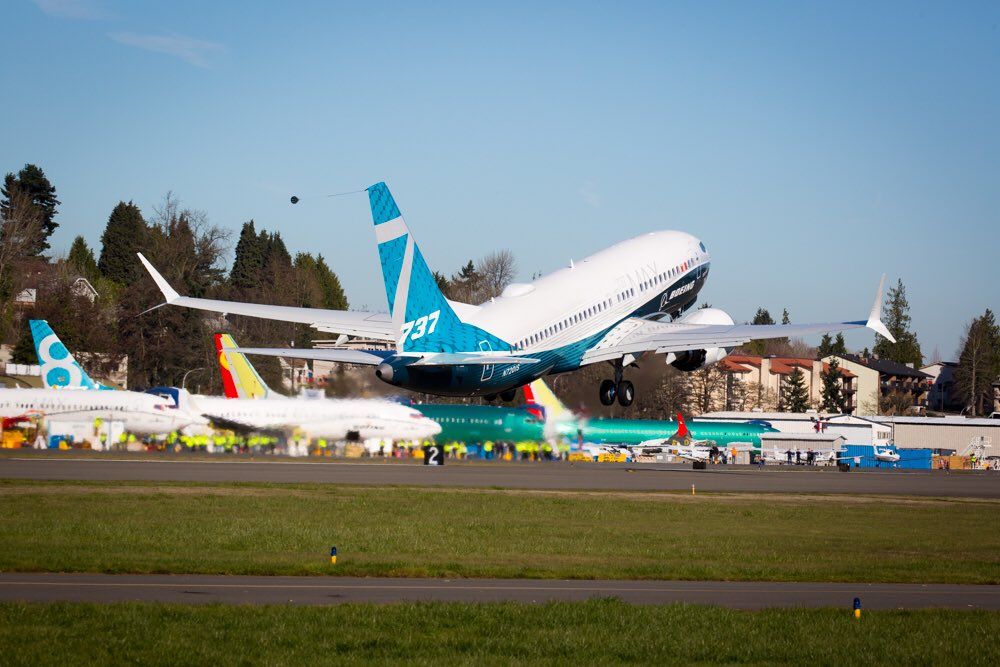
831,346
81,259
124,236
248,266
825,347
979,363
31,181
832,396
165,343
785,319
330,287
443,284
896,317
795,398
758,347
839,346
467,284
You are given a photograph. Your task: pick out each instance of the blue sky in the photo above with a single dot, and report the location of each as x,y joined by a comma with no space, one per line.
811,145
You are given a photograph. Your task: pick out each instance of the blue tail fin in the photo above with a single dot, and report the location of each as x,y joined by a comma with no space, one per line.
424,320
59,368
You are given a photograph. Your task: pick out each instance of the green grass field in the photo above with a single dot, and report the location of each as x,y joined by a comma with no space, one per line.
288,529
448,633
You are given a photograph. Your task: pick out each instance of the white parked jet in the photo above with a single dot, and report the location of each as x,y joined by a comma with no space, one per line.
143,414
253,406
614,306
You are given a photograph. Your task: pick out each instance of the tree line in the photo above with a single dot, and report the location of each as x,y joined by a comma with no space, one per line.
166,344
163,344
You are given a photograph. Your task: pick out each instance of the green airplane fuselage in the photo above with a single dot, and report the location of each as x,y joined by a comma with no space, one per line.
634,431
481,423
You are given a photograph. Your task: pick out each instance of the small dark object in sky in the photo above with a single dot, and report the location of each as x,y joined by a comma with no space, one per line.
295,200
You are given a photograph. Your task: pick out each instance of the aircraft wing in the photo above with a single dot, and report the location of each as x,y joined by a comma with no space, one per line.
636,336
351,323
242,427
471,358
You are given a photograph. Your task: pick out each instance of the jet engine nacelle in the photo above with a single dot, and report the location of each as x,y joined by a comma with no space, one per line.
692,360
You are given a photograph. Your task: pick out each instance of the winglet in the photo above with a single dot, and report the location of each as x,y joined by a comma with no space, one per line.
875,317
169,293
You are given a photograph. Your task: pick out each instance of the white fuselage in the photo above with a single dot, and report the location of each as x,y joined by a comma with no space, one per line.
334,419
594,293
140,413
886,455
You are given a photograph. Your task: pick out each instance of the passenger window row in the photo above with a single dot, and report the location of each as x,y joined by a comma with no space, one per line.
547,332
660,278
565,323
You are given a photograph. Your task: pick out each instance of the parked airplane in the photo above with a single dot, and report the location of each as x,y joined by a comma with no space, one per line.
561,422
140,413
885,454
459,423
614,306
262,409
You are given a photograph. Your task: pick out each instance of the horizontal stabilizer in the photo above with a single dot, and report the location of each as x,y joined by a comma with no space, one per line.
470,358
365,357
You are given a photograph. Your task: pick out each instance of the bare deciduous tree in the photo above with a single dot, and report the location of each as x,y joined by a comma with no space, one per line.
21,230
496,271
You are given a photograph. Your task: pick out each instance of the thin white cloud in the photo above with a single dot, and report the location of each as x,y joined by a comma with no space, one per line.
193,51
87,10
589,196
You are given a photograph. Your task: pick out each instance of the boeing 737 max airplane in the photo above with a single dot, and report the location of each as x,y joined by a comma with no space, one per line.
614,306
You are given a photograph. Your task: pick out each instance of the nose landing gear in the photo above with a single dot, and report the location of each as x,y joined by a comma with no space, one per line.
618,388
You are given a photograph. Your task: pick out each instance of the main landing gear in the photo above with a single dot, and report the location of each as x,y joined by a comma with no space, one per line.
618,388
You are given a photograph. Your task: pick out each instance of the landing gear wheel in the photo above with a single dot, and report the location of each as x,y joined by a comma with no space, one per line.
509,395
489,398
608,392
626,393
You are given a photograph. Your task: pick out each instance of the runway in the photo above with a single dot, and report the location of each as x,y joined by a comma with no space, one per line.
541,475
103,588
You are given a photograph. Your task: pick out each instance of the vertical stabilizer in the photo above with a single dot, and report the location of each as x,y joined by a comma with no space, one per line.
539,392
59,368
682,429
423,318
239,377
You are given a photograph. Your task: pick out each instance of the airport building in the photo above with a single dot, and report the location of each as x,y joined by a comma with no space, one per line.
943,435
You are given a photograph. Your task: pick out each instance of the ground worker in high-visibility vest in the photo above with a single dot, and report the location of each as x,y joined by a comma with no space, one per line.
488,450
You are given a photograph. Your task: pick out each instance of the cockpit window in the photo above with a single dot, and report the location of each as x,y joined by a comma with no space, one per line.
702,246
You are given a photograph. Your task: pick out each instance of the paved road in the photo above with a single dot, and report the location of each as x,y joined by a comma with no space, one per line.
334,590
620,477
